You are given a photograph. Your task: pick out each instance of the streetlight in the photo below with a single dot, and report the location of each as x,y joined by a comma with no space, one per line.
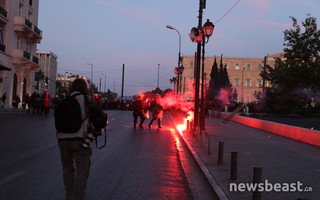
180,68
91,81
201,36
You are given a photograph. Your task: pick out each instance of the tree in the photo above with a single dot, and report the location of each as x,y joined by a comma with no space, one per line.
213,90
219,85
39,75
295,78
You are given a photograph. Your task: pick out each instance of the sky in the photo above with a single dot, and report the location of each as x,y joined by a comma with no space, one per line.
110,33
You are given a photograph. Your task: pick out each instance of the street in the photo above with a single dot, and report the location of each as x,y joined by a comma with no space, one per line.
135,164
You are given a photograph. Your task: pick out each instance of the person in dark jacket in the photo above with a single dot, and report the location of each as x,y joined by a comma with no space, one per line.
157,112
138,112
75,157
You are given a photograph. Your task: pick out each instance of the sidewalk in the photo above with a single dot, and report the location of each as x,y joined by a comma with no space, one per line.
7,110
282,160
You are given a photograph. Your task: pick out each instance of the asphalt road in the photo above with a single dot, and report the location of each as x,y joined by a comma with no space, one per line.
135,164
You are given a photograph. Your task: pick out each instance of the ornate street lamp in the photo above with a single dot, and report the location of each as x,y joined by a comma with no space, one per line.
200,36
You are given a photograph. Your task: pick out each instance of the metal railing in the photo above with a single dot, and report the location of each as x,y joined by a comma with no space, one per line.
26,55
37,30
35,60
28,23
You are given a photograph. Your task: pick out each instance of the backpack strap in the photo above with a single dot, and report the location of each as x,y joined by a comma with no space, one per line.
86,100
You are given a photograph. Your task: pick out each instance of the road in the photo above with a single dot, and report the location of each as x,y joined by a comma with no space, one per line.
136,164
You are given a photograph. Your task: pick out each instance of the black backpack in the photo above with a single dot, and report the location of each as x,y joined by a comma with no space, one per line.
95,114
67,116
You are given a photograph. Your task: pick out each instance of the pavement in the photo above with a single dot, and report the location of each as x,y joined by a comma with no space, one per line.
283,161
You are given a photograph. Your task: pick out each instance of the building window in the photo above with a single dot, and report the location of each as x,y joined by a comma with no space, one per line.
260,67
30,16
18,42
248,82
1,38
259,82
248,66
30,2
237,66
236,82
20,10
191,64
28,47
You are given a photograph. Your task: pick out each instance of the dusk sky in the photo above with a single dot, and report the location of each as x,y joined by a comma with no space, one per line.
110,33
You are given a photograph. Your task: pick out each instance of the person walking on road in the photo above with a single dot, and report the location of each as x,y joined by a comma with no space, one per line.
75,157
157,111
138,112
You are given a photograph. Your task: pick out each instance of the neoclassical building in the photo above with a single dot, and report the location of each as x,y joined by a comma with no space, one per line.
243,74
48,65
19,35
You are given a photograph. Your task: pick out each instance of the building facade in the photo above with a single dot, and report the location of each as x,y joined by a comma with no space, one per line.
66,80
19,35
48,65
244,75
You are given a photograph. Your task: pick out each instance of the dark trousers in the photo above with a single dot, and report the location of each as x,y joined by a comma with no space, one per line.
76,166
159,121
135,118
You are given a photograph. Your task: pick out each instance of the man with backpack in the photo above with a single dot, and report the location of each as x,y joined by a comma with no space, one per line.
73,128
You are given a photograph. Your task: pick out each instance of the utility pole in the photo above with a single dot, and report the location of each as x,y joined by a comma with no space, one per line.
122,82
158,76
196,101
105,82
264,71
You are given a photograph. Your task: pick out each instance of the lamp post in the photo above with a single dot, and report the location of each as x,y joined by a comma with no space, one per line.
201,36
180,70
91,81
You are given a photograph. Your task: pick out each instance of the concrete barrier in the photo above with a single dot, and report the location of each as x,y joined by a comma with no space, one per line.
297,133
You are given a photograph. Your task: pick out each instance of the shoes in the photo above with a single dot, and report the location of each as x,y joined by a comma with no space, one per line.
134,126
150,126
141,126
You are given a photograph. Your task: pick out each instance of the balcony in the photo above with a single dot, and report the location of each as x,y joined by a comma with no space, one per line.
3,16
24,26
23,59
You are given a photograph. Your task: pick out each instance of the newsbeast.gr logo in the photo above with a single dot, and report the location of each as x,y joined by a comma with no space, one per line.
266,186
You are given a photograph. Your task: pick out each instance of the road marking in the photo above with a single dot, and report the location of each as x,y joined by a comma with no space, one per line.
9,178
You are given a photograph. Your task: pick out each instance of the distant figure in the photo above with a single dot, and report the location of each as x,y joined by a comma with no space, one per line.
157,112
56,101
36,101
18,100
45,103
138,112
27,102
219,107
3,99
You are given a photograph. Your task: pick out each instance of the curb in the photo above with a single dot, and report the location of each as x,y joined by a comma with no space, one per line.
213,183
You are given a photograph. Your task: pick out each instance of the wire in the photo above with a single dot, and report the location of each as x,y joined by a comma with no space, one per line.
227,12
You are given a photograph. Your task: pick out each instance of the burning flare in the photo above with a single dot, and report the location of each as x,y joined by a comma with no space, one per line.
182,127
